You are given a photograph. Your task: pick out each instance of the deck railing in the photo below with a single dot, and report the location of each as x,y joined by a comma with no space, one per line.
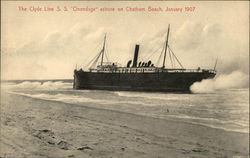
146,70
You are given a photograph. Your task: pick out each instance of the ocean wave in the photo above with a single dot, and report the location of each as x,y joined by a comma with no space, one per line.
239,130
70,98
227,125
237,122
127,105
161,96
48,85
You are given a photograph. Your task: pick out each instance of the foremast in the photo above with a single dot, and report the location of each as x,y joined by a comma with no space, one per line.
103,49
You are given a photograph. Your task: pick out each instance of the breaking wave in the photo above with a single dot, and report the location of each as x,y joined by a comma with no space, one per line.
48,85
236,79
161,96
184,107
227,125
66,98
131,106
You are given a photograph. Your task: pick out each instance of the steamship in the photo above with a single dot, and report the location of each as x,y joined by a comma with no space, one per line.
140,76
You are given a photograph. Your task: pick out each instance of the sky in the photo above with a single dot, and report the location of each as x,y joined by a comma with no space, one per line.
49,44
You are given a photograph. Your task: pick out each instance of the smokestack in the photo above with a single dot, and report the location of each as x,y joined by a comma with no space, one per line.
136,55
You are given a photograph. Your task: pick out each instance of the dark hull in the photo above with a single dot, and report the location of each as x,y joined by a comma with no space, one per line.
156,82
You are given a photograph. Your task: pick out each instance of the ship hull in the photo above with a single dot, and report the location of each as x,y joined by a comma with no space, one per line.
154,82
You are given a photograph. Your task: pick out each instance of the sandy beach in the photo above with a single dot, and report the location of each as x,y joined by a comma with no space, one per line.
37,128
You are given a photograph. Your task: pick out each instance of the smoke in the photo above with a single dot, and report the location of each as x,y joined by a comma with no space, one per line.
236,79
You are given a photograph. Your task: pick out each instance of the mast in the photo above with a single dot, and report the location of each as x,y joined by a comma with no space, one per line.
103,49
166,47
215,63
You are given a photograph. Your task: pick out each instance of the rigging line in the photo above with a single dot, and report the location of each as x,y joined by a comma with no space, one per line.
144,55
176,57
158,61
106,56
92,60
89,63
170,57
107,52
147,54
215,63
94,63
163,34
100,42
152,54
173,60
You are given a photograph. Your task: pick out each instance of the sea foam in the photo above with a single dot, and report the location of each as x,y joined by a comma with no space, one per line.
48,85
236,79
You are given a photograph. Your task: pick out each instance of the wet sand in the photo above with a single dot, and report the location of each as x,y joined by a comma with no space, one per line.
37,128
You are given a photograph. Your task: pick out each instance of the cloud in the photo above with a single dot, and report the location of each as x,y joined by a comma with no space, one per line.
194,36
151,45
196,44
22,67
202,43
199,44
53,56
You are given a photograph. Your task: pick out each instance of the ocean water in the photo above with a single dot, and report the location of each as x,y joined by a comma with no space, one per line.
226,109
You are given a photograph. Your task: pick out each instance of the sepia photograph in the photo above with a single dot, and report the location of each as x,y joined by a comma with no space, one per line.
124,79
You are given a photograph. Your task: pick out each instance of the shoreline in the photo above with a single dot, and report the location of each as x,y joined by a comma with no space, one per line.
173,119
163,136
